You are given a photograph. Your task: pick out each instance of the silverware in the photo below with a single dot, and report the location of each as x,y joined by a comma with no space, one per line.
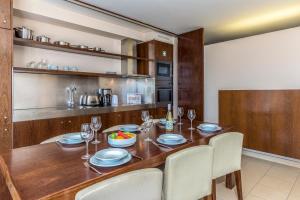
160,145
87,165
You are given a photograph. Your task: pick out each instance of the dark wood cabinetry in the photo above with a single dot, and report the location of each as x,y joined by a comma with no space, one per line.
5,89
157,50
5,14
269,119
191,71
34,132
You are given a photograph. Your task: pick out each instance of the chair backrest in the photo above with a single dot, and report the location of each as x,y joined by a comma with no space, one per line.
53,139
143,184
188,174
227,153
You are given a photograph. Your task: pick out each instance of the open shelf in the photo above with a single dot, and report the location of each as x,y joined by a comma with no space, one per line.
50,46
73,73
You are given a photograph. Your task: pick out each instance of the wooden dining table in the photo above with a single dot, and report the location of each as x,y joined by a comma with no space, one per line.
53,171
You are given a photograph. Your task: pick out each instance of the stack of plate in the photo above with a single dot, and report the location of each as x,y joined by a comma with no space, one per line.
206,127
129,128
171,139
110,157
71,138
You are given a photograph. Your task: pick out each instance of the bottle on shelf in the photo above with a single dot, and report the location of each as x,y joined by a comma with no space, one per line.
169,119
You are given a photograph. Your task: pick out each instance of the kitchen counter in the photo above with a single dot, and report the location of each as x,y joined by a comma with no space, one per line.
55,112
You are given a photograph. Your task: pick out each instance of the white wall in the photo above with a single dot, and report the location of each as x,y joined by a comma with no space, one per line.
267,61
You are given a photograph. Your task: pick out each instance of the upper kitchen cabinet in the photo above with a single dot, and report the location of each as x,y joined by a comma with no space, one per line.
159,51
5,14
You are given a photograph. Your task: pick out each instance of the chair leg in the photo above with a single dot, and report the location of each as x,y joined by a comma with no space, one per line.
214,190
229,181
209,197
238,180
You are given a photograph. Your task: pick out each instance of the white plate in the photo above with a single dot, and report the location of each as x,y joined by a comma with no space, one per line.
209,127
171,137
66,141
129,128
171,142
72,136
94,161
111,154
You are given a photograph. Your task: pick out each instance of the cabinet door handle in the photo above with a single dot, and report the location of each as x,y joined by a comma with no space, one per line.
69,121
5,130
61,122
4,21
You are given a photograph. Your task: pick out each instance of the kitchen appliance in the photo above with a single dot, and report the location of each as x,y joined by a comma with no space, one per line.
114,100
43,38
105,96
134,98
164,82
163,71
23,32
89,100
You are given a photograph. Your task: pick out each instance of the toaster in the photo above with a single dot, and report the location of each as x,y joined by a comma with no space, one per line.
89,100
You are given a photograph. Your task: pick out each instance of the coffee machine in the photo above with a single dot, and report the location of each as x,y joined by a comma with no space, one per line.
105,95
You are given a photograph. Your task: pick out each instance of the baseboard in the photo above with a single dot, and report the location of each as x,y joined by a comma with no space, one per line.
272,157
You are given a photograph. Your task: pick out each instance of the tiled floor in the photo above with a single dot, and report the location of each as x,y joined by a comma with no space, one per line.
264,180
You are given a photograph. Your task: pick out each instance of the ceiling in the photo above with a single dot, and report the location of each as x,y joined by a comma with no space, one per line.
222,19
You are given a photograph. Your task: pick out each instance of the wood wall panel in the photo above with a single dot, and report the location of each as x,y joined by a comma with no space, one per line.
190,71
269,119
5,14
5,90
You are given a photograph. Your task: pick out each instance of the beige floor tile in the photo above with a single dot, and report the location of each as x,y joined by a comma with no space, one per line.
296,190
277,184
225,194
294,197
283,172
251,197
268,193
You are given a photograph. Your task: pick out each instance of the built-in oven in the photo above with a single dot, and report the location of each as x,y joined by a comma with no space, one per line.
164,91
163,70
164,95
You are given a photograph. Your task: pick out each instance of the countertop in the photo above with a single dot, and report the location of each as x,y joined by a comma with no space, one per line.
55,112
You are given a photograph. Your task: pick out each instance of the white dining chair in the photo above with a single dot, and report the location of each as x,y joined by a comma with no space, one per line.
227,159
53,139
188,174
145,184
113,128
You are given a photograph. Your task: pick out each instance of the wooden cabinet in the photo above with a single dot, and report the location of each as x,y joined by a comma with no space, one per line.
5,89
160,51
34,132
191,72
5,14
269,119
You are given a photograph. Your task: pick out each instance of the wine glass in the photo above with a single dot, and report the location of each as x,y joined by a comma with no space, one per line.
180,114
147,127
87,135
191,116
145,115
96,126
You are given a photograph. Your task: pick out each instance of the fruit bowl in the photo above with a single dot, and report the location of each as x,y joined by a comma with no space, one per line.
121,139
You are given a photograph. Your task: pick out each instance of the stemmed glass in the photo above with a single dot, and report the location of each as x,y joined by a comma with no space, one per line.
87,135
145,115
147,127
180,114
191,116
96,126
